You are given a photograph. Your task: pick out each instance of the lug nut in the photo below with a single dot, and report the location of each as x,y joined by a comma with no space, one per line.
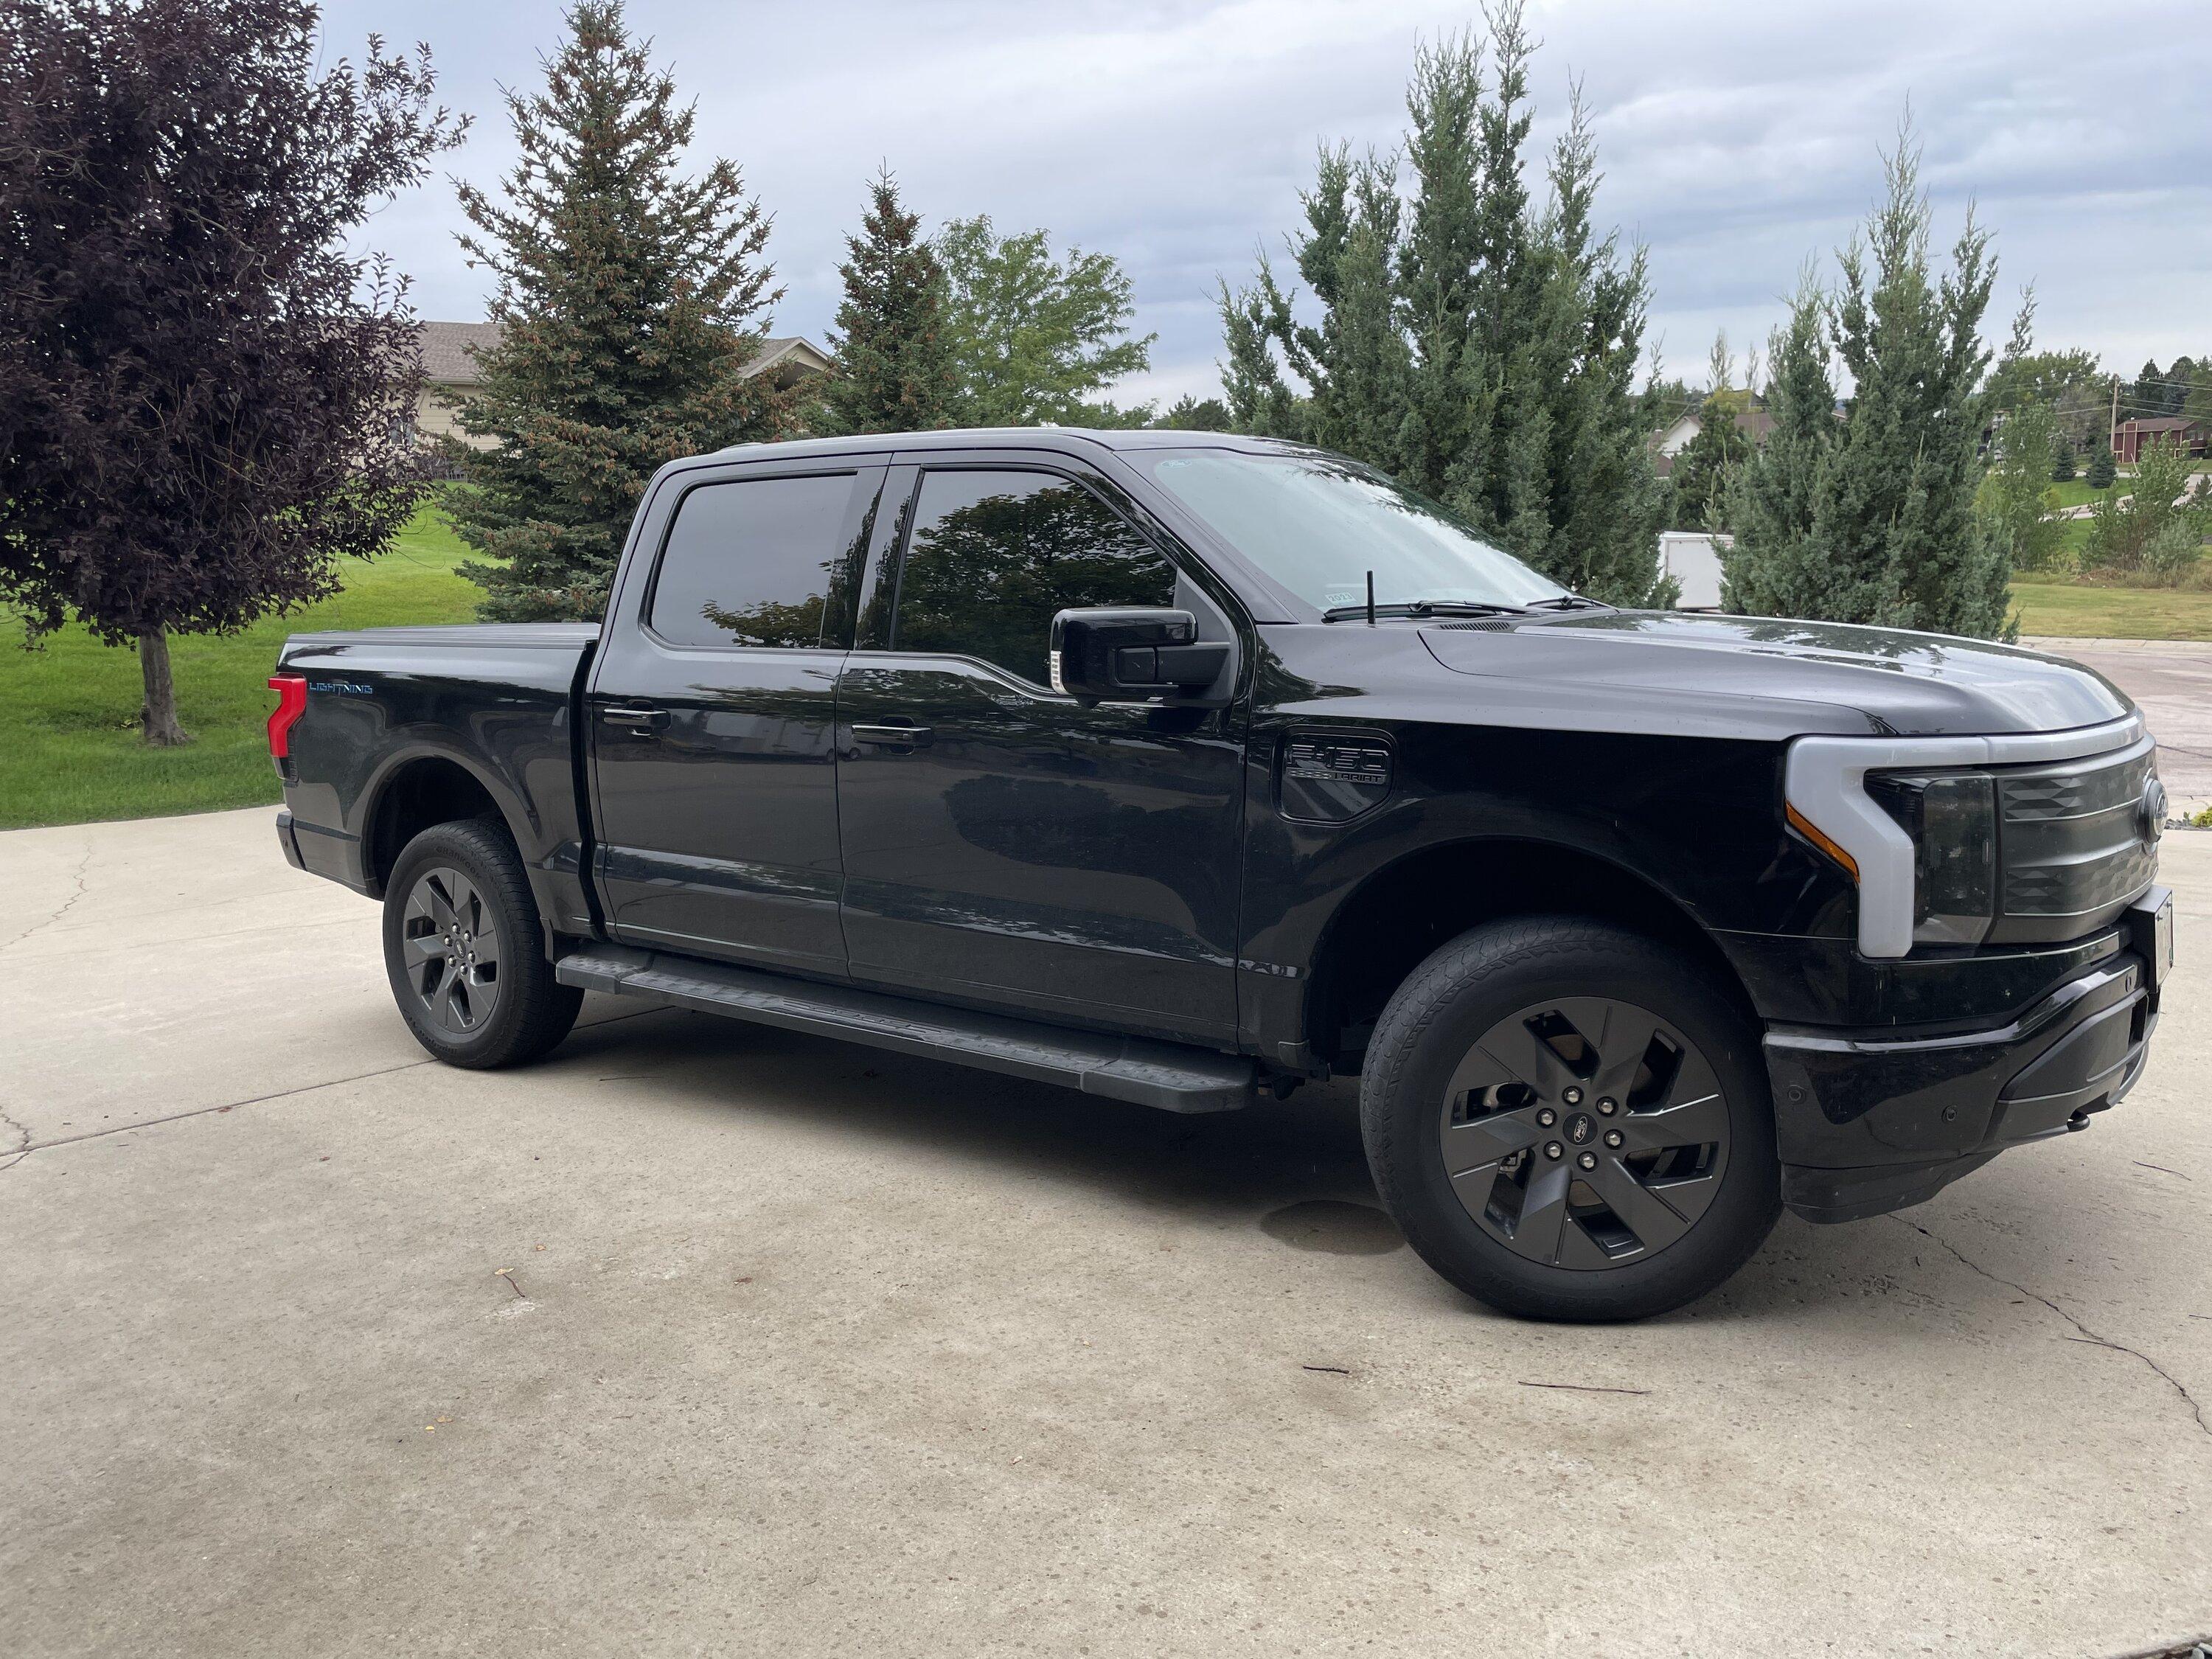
1612,1139
1588,1160
1553,1149
1572,1097
1546,1118
1608,1108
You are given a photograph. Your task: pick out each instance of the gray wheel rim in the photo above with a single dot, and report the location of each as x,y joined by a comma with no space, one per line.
1585,1132
449,939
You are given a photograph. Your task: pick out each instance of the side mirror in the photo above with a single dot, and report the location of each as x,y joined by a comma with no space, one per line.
1117,655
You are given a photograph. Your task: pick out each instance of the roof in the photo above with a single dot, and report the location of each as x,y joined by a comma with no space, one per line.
446,349
2160,423
449,353
1060,438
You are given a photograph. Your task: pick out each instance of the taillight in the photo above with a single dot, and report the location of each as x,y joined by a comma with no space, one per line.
291,691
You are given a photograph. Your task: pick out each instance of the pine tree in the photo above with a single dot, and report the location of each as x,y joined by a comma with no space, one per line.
1479,345
894,368
2102,469
630,299
1707,468
1894,538
2062,457
1775,566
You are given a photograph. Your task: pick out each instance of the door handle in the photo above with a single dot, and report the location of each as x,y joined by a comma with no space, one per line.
640,720
912,736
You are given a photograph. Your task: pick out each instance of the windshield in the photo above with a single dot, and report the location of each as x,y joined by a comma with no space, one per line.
1317,526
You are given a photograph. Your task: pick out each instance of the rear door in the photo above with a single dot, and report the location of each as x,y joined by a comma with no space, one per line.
1004,844
713,710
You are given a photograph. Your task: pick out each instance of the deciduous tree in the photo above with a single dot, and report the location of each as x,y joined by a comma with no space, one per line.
1034,339
205,399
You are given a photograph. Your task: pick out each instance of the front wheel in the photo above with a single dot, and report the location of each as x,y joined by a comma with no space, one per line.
463,950
1570,1122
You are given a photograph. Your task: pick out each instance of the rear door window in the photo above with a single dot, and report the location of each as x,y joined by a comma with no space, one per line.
992,556
752,561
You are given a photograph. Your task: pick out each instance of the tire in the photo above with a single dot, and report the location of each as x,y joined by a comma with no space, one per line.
1555,1174
465,951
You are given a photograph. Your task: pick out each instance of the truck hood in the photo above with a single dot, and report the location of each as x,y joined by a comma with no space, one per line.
1882,680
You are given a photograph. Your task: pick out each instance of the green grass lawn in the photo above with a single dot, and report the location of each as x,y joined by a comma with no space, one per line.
2072,610
70,750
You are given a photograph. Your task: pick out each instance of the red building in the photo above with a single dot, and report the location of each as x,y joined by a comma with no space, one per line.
2132,435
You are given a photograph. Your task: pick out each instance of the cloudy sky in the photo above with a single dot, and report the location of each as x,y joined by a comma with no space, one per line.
1738,137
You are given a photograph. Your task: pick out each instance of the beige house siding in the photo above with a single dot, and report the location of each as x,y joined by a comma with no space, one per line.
449,360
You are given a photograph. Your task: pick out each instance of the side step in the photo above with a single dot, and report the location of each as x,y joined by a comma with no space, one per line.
1166,1075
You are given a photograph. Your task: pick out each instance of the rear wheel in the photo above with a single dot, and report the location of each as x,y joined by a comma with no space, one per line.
464,950
1570,1122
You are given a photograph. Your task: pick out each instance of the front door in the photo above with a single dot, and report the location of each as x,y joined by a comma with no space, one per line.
713,715
1003,844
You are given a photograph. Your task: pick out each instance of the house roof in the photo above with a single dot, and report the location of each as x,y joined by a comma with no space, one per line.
449,353
2160,423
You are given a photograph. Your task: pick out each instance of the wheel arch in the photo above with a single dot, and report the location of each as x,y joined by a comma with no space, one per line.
417,790
1389,924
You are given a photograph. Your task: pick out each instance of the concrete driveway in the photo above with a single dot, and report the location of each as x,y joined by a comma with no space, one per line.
703,1338
2171,680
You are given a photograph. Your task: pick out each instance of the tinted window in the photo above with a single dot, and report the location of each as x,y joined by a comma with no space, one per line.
752,563
993,555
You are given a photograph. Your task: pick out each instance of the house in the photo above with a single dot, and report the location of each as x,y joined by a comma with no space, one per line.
2130,436
1753,422
449,360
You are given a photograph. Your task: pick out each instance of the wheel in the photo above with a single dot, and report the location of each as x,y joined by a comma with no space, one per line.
1570,1122
462,947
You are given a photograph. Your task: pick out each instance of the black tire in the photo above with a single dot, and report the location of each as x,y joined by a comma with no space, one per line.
465,951
1425,1104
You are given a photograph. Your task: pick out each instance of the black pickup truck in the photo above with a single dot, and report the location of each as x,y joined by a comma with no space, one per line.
1180,769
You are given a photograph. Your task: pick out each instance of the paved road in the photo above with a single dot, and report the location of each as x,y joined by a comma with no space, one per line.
2172,679
706,1339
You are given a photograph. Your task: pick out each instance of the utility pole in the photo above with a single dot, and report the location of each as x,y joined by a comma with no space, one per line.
2112,432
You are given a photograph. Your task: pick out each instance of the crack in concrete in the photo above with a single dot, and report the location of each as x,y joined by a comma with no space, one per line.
22,1149
2086,1334
17,1154
84,864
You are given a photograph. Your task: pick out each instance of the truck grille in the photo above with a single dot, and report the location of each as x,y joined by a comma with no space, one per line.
2074,844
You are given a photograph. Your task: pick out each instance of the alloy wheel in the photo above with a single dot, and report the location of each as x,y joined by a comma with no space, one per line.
1585,1132
450,938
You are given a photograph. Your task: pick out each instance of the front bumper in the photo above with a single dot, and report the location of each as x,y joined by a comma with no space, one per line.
1870,1122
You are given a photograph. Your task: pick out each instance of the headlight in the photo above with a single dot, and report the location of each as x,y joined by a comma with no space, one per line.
1952,820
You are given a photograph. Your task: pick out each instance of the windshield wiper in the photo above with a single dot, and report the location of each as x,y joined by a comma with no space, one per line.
1569,602
1423,608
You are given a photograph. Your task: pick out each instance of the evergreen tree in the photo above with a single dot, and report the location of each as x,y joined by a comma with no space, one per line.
630,300
1894,539
894,368
1776,562
1705,469
2062,457
1478,344
2102,468
1033,338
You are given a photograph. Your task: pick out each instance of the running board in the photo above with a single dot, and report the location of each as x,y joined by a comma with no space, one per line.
1165,1075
